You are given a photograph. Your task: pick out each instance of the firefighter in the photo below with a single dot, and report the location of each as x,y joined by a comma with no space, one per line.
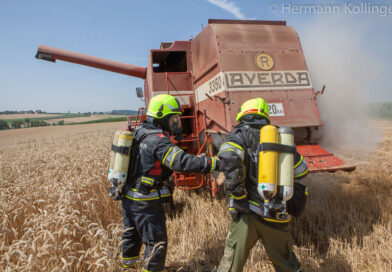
145,193
237,154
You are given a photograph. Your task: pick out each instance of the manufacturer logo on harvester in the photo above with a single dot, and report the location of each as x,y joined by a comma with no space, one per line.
264,61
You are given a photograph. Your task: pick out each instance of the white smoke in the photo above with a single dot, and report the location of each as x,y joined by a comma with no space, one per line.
336,57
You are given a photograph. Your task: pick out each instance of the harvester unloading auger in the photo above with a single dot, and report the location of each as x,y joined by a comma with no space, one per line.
227,63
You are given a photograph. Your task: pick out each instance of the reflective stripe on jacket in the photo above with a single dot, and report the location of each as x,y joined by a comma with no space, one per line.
300,168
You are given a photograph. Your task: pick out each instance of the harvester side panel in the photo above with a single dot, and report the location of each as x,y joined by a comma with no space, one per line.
214,112
237,77
205,60
253,37
291,102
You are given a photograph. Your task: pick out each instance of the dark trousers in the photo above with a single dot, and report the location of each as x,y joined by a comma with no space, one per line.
246,231
145,223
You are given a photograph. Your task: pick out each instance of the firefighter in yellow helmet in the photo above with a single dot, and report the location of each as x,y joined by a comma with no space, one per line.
238,153
154,160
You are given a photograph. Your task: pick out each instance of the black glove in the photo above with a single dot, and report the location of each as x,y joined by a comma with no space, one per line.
218,166
238,205
144,185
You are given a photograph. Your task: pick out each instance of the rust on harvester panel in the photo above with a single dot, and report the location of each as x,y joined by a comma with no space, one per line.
227,63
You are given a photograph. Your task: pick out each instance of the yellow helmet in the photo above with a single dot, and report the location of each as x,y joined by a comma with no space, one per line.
162,105
254,106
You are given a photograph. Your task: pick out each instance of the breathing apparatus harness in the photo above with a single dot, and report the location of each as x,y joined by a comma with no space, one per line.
276,208
125,159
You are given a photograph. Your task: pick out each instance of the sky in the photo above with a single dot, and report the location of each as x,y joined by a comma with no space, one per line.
346,49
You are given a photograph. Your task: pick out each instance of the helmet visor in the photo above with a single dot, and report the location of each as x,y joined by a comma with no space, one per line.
174,123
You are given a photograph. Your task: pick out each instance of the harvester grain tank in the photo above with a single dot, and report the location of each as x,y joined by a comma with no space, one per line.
227,63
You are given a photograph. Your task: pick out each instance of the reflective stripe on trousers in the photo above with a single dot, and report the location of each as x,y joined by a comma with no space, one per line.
133,194
257,210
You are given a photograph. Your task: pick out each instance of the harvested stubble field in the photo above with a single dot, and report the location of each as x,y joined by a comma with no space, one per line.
56,215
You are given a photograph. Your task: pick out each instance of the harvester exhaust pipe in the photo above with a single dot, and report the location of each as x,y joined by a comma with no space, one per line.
52,54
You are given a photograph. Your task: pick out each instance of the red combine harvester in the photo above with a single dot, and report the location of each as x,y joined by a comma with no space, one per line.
227,63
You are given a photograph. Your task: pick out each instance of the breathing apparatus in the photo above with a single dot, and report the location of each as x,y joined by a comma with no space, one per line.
120,156
163,111
276,171
275,161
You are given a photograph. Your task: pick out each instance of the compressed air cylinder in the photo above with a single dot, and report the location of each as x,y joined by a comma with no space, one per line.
119,162
113,156
268,164
286,166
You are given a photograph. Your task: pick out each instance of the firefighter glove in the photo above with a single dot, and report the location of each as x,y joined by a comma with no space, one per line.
218,166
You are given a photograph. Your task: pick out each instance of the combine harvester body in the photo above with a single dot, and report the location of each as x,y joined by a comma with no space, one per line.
227,63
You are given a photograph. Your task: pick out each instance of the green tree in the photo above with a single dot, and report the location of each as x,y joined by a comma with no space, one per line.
60,123
27,122
34,123
4,125
16,124
38,123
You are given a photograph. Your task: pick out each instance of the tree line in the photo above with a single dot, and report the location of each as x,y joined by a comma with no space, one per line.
22,112
27,123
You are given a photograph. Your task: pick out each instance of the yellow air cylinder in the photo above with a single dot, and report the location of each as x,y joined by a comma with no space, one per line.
286,166
268,164
119,162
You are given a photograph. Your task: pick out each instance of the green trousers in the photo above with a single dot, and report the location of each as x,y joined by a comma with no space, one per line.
243,235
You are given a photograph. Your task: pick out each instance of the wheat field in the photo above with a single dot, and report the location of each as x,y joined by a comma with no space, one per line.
55,214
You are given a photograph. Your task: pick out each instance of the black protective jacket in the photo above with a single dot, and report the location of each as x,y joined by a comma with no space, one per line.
239,157
159,157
